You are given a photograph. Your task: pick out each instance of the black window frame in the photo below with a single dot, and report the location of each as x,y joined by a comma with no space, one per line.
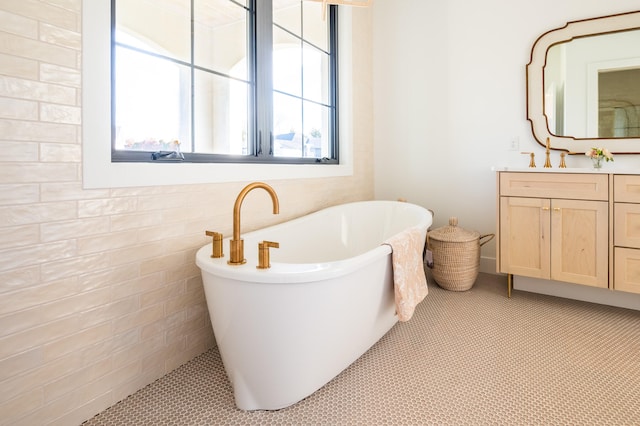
260,47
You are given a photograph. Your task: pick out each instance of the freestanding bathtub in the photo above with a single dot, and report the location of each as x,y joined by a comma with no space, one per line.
284,332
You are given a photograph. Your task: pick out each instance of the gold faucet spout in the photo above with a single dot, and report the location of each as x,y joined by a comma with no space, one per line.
236,244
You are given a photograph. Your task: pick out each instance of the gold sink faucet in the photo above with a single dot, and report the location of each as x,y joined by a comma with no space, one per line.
236,245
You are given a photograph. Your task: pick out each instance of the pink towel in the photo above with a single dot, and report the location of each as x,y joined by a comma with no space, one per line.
410,282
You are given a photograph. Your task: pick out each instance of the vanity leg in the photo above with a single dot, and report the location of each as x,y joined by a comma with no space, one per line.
509,285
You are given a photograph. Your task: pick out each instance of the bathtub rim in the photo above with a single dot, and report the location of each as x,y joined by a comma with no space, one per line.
293,273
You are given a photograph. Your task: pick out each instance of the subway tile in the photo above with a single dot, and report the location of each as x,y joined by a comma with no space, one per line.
42,11
18,109
20,151
121,222
200,337
179,331
183,301
19,363
39,375
160,295
162,263
75,305
55,113
153,329
80,377
106,206
183,272
60,37
69,191
139,285
106,242
34,49
57,231
161,232
110,311
111,277
162,201
37,172
183,357
21,88
108,347
38,131
35,213
140,318
85,411
21,320
186,242
18,236
66,404
18,25
71,5
32,255
138,351
37,336
136,253
60,76
21,405
18,279
33,296
60,153
72,267
76,341
15,66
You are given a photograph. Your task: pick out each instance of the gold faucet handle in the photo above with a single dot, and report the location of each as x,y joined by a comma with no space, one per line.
263,254
216,245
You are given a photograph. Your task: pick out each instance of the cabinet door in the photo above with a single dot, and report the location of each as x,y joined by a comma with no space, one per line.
627,270
580,242
626,225
524,236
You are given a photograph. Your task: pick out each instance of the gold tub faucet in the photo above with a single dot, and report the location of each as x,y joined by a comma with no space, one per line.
236,244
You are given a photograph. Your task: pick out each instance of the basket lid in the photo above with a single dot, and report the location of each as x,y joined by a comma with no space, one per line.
453,233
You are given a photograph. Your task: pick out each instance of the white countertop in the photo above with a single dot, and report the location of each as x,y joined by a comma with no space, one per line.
606,169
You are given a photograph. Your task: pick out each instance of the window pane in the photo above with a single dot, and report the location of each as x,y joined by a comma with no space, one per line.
287,63
152,102
315,75
164,26
315,28
221,115
287,116
220,37
287,13
316,130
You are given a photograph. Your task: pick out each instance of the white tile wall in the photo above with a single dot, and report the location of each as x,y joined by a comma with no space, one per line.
99,292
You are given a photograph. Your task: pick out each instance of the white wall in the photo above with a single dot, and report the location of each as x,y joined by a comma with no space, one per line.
449,95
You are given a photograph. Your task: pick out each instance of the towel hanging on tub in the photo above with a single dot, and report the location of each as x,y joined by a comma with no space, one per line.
409,279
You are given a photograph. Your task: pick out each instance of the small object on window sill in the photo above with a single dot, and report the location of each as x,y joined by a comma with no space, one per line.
167,156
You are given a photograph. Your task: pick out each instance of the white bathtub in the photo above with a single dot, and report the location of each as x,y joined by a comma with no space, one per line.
284,332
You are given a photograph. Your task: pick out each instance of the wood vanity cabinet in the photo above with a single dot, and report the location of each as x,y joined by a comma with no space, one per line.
626,235
555,226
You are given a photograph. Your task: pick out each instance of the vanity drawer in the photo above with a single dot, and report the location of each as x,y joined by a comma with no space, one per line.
572,186
626,188
627,270
626,225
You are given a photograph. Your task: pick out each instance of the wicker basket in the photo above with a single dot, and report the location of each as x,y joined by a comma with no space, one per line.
456,255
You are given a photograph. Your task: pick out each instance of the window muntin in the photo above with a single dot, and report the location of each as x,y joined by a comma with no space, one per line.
214,108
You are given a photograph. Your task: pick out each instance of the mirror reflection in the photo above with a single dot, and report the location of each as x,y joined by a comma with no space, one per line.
592,86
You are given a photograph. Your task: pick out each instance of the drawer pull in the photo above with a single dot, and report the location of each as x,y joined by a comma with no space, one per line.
556,209
545,209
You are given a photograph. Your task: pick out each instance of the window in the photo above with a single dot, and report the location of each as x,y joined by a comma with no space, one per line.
248,81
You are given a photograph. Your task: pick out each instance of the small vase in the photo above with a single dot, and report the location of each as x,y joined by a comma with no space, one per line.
597,162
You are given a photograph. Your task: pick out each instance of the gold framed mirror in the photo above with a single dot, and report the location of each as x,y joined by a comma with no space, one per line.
566,76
